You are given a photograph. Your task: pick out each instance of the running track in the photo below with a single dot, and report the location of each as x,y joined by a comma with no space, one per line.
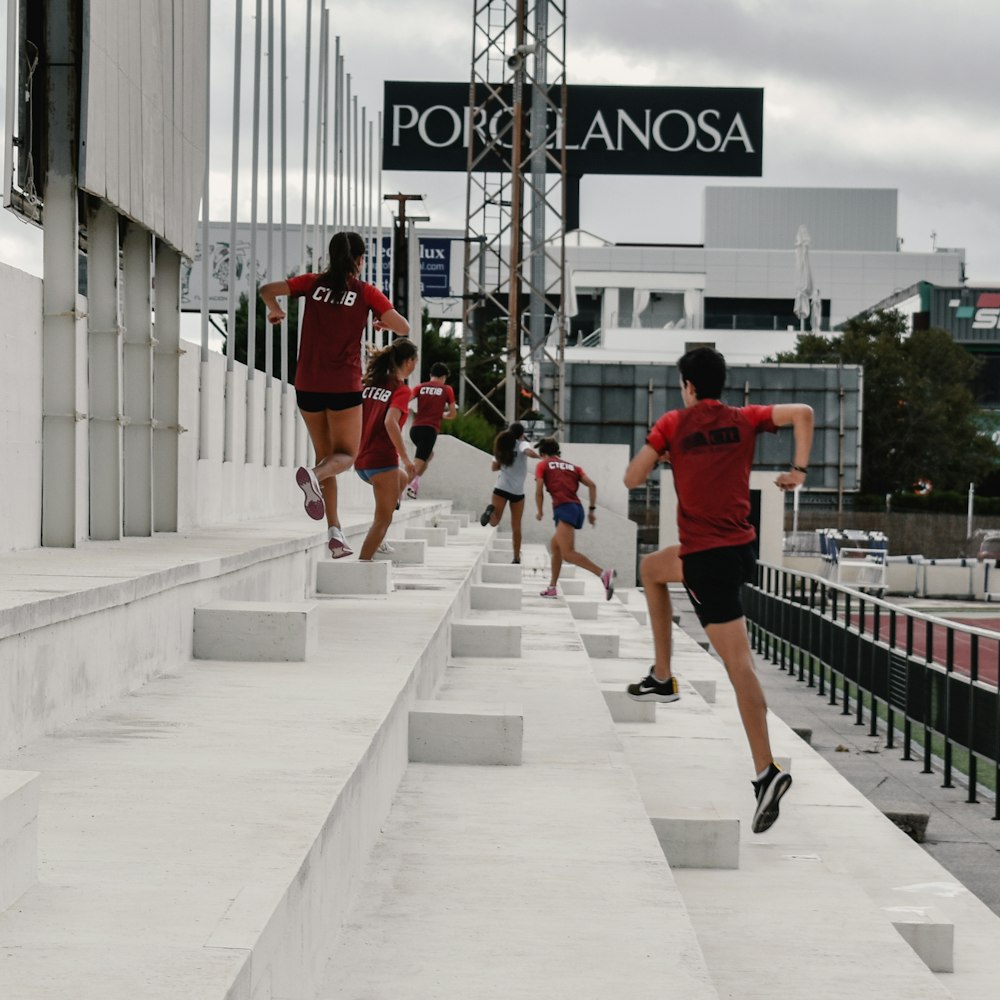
989,648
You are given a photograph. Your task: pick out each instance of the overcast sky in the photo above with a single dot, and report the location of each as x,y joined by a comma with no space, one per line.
857,93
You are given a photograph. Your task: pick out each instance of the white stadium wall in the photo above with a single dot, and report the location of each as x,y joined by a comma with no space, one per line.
21,412
210,491
142,127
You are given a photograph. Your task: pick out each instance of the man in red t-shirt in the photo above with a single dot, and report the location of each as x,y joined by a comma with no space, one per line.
435,402
710,447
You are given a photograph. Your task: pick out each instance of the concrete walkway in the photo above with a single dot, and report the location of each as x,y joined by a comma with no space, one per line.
235,830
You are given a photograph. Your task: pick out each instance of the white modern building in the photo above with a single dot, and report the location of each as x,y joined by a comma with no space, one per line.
738,288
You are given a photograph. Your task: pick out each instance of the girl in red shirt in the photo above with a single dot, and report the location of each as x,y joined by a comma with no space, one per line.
562,479
328,368
385,402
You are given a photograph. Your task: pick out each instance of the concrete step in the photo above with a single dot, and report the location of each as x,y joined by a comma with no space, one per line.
544,880
692,768
204,836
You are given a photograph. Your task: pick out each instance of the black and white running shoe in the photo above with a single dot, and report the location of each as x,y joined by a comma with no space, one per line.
650,689
769,791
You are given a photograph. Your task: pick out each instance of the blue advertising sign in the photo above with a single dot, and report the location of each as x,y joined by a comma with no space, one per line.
435,266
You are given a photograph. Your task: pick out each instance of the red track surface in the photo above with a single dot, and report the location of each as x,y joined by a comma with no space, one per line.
989,648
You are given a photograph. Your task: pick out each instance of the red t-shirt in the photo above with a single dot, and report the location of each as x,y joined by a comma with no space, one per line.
561,478
332,326
377,450
710,447
433,398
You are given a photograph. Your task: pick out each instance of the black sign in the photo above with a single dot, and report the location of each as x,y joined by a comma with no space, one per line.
711,131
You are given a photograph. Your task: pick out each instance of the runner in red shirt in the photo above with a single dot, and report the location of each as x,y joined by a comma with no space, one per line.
385,402
435,402
710,447
328,369
562,479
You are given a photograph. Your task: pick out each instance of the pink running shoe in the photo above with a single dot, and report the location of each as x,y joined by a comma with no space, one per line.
549,592
608,581
338,543
309,484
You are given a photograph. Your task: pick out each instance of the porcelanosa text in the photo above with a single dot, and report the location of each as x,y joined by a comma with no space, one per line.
673,130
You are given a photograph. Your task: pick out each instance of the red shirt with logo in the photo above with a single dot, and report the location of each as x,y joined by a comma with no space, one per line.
710,447
561,478
332,326
377,450
433,398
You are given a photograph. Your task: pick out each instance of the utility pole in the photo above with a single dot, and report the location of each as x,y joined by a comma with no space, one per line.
399,279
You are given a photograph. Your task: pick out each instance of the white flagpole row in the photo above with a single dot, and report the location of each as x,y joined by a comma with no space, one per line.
346,195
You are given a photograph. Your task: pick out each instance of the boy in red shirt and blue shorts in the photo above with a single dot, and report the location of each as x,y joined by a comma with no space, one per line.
710,448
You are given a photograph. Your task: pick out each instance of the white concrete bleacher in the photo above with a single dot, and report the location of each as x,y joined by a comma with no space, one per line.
254,830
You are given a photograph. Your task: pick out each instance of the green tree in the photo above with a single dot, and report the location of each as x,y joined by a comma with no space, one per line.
919,413
436,347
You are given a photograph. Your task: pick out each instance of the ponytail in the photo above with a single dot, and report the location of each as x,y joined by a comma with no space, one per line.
384,363
342,260
504,445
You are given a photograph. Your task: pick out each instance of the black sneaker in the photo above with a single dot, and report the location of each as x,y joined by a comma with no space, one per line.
484,518
650,689
769,790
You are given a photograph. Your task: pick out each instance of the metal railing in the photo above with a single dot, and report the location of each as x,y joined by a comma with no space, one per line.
912,672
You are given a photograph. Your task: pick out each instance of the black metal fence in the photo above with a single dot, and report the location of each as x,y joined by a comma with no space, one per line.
931,680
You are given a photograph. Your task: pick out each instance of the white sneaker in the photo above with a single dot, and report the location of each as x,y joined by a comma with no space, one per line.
385,548
412,491
338,543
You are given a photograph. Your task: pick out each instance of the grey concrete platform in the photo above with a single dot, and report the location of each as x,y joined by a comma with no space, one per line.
540,881
254,830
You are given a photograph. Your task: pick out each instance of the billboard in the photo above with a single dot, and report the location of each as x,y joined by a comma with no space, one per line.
711,131
441,262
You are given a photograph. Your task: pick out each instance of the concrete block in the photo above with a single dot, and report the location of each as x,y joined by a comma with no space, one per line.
434,537
19,792
338,576
405,552
495,597
573,588
928,934
601,645
480,638
502,544
624,709
270,631
804,733
582,610
639,614
911,819
450,524
445,732
706,689
699,842
568,572
499,556
501,573
464,520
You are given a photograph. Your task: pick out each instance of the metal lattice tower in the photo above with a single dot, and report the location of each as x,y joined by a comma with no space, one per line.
515,256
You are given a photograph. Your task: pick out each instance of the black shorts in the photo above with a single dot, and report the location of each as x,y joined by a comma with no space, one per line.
423,437
713,580
509,497
317,402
